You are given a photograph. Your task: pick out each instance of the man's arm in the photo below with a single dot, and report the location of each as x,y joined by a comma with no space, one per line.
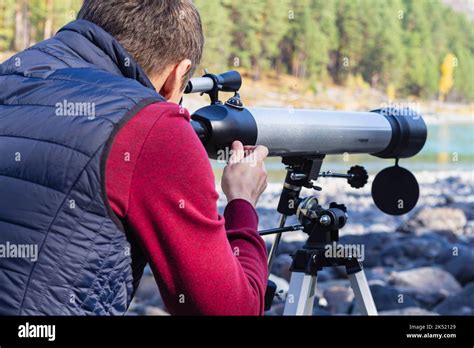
171,206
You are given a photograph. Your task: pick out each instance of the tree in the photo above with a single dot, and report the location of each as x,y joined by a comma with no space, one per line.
217,28
351,39
421,73
384,56
276,22
48,23
446,81
7,24
247,18
22,25
325,15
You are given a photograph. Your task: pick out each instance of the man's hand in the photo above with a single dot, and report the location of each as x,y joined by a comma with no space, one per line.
245,176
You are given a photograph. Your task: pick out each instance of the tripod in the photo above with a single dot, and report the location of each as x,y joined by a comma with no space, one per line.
322,225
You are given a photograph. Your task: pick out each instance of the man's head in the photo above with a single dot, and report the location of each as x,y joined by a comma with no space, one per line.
164,36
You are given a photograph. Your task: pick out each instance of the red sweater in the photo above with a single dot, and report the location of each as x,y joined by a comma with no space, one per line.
160,183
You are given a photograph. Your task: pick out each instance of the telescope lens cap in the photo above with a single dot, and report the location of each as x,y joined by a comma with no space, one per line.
395,190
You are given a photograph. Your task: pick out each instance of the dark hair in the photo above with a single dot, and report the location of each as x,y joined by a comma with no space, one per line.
156,33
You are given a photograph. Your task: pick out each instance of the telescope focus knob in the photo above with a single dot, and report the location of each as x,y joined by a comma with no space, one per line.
359,177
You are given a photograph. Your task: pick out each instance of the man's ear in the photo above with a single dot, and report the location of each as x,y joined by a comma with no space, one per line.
173,86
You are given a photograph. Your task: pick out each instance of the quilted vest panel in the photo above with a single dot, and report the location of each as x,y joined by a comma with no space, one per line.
61,103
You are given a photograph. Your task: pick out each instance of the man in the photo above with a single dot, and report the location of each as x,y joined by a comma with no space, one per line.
101,170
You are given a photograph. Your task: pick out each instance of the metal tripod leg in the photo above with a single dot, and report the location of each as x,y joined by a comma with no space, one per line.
276,243
362,293
300,298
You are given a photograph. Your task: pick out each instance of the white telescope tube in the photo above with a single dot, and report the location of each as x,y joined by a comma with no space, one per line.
286,131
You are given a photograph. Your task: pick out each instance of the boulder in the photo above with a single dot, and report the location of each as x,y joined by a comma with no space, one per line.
136,308
377,275
339,299
276,310
389,298
437,219
373,244
281,266
461,303
427,285
414,251
321,311
451,251
461,266
466,207
148,292
155,311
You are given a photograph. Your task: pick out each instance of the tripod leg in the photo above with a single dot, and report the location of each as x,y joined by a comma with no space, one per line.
276,243
300,298
362,293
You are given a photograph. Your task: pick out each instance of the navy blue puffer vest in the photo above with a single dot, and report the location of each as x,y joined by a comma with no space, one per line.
61,103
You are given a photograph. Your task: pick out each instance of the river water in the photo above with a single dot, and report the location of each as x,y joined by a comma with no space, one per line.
449,147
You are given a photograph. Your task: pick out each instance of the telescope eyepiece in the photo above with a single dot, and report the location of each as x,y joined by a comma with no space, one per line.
230,81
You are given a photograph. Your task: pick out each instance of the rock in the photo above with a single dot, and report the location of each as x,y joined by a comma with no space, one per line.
321,311
451,220
276,310
150,310
389,298
282,288
321,287
326,274
339,299
373,244
377,275
469,229
289,247
408,311
281,266
416,251
339,272
462,266
148,292
427,285
466,207
450,250
147,288
136,308
147,271
461,303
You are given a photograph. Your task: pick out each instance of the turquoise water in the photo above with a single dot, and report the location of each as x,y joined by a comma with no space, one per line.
448,147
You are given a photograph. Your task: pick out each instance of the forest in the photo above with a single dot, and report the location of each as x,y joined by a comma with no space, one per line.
419,48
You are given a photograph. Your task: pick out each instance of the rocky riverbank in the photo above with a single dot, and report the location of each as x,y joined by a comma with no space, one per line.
422,263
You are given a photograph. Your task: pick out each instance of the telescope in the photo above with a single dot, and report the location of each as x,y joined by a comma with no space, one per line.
302,138
288,132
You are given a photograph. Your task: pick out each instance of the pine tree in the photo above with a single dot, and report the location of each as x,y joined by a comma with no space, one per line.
305,45
351,39
247,19
421,76
7,24
217,28
384,56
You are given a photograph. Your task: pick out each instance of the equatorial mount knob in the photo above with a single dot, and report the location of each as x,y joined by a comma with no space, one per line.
358,177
